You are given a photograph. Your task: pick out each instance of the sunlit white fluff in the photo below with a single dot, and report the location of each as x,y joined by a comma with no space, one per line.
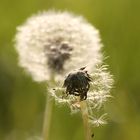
40,32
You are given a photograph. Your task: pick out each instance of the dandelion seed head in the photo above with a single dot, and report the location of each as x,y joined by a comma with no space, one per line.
55,42
97,96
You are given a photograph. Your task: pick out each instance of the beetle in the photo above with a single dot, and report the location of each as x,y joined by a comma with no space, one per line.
78,83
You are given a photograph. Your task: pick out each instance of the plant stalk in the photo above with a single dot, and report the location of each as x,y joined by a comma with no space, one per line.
48,112
48,118
84,112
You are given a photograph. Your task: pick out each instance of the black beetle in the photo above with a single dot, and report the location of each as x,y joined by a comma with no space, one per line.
78,83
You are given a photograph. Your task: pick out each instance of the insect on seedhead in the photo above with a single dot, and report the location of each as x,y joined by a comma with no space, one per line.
78,83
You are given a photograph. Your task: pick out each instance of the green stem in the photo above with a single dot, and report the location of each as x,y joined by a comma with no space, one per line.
48,112
48,118
85,118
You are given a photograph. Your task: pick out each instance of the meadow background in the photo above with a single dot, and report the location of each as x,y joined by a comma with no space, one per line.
22,101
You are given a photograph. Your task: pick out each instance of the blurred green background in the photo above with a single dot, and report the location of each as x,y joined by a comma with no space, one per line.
22,101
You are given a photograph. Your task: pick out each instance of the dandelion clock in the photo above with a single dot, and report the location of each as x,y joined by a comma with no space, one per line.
65,48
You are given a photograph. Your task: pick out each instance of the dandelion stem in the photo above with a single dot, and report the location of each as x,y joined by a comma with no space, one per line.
48,112
48,118
84,112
